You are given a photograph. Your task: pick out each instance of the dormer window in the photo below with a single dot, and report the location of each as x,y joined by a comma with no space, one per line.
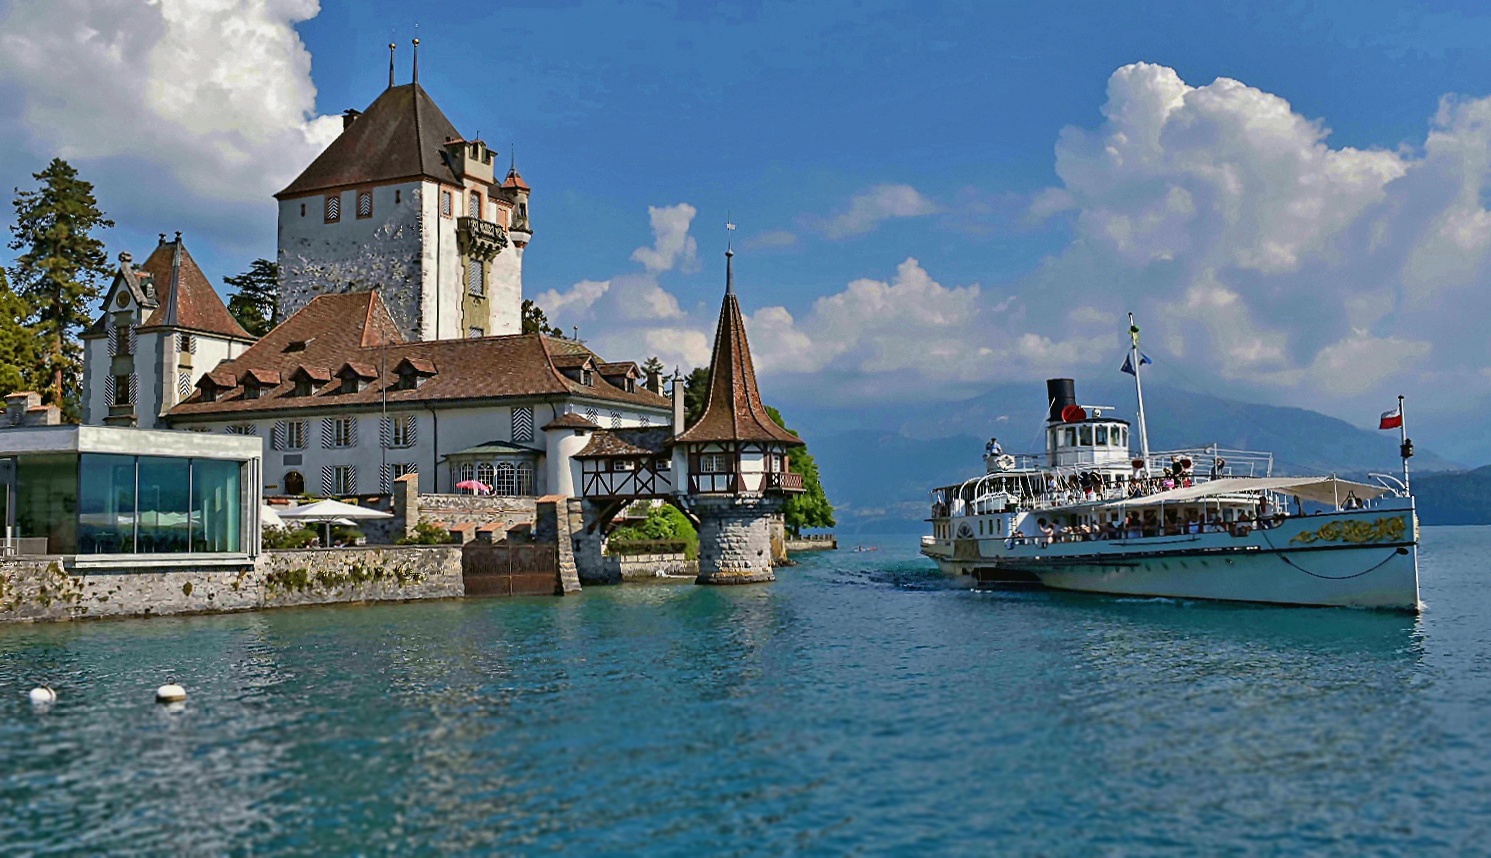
587,378
355,377
306,380
302,386
251,390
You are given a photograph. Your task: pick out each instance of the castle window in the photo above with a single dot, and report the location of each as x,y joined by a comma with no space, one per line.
121,390
186,343
294,483
398,196
302,209
302,386
506,483
523,480
473,206
241,429
343,432
364,203
122,338
183,385
402,431
476,279
522,211
474,333
587,378
615,419
445,203
484,473
343,480
333,208
592,415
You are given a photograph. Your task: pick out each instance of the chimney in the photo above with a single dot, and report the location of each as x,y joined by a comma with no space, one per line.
678,426
655,382
349,116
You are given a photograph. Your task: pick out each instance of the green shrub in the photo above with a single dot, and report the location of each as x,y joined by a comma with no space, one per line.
663,523
427,534
281,537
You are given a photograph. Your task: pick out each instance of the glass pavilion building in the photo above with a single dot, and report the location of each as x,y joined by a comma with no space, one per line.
114,496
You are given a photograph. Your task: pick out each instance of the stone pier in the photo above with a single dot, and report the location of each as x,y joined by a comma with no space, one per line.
735,545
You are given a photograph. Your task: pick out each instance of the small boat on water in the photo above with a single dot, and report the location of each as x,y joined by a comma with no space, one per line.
1201,523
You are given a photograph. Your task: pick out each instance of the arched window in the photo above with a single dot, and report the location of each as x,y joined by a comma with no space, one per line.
294,483
507,483
484,474
468,472
524,480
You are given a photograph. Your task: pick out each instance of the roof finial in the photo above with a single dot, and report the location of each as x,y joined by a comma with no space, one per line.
162,238
390,65
178,236
416,54
729,271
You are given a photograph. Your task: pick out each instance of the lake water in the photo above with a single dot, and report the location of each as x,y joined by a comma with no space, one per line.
858,705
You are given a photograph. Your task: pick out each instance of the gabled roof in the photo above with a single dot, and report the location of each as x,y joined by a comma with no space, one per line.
734,411
187,299
133,282
515,181
351,329
401,135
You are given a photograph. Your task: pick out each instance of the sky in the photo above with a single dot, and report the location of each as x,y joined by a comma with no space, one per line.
931,198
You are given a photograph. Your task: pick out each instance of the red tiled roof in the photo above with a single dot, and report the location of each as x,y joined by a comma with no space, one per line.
569,420
349,328
627,443
515,181
186,299
362,370
401,135
262,376
624,367
734,411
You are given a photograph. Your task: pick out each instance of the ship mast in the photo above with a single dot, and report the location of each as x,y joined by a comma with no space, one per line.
1134,360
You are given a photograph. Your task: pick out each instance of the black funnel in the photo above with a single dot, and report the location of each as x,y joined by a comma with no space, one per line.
1060,392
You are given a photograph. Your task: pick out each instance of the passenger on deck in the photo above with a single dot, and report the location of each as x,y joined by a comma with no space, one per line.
1218,468
1048,532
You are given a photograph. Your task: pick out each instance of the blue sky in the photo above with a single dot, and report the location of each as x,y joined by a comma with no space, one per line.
931,197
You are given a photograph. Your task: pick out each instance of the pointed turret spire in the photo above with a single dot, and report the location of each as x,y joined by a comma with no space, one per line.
390,65
416,59
734,411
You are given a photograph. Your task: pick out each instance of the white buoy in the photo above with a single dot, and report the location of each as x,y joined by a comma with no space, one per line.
172,693
43,696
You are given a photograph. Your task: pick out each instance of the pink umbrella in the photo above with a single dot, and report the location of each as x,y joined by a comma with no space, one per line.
475,486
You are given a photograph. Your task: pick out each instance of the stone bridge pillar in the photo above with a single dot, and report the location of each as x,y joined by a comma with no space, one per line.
735,538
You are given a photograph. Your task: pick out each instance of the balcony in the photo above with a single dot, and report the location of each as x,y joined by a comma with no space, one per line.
780,482
480,239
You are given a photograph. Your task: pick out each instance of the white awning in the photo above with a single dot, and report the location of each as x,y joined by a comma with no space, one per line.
1329,490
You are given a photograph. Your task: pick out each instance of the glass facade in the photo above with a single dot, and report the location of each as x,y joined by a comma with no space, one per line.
103,503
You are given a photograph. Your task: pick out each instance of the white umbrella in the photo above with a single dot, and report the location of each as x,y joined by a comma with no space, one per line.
269,518
331,511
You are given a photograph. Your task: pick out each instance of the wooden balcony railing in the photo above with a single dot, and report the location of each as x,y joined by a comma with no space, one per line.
784,482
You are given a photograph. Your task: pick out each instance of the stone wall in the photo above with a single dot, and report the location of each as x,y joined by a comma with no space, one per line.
476,509
735,538
643,567
42,589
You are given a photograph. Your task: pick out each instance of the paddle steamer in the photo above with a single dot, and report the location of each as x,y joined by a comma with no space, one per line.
1205,523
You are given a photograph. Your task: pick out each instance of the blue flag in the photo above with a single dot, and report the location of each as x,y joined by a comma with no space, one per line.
1128,363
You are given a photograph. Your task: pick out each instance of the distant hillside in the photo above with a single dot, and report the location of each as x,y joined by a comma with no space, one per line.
878,480
1460,498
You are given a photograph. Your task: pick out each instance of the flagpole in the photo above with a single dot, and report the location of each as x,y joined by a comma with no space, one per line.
1134,359
1404,449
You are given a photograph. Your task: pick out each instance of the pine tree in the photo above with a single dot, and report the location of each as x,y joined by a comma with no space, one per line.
57,273
255,304
535,322
652,365
695,394
18,357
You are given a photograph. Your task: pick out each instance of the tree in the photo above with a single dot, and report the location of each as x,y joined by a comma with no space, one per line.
809,508
57,273
652,365
695,395
256,304
535,322
18,357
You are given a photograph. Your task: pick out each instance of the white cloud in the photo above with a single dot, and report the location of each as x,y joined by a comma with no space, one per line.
213,95
771,238
672,243
867,210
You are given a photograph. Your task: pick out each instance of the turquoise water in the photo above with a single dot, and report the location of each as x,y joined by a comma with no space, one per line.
859,705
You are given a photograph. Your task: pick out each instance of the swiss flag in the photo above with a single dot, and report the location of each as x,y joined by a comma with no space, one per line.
1392,419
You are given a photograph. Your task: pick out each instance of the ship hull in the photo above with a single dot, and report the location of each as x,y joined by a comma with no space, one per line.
1273,566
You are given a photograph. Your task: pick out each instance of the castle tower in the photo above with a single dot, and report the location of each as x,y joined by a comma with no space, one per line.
736,460
403,204
162,326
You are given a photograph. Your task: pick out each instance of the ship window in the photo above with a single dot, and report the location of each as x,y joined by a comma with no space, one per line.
1071,436
1100,435
1086,432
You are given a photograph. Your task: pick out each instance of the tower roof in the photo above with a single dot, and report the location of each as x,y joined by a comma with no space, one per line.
734,411
187,299
401,135
515,181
